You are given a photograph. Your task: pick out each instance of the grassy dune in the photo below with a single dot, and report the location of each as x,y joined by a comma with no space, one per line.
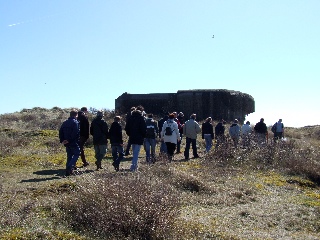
270,192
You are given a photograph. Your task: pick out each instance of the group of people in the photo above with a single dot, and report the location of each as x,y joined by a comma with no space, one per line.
143,130
74,132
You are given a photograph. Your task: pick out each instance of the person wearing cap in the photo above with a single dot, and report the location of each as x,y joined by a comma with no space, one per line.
84,132
190,129
100,132
180,126
207,133
69,137
136,130
234,132
246,131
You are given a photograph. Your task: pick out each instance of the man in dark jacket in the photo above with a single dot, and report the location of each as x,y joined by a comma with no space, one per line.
136,130
99,131
115,134
219,131
180,126
207,133
261,131
84,133
69,137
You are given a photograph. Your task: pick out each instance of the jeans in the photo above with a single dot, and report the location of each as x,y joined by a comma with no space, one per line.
135,155
117,154
208,140
194,147
150,144
73,154
100,152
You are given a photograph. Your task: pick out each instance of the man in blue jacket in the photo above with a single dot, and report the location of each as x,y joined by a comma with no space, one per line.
69,136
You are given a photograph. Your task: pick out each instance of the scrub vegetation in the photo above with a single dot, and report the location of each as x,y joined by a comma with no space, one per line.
270,192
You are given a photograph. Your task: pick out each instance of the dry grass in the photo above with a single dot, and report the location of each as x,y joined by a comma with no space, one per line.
267,192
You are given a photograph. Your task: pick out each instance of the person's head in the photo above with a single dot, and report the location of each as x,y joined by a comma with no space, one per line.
117,118
262,120
193,116
175,114
247,122
84,109
209,119
74,113
141,108
171,116
100,114
150,115
132,109
280,120
181,114
236,121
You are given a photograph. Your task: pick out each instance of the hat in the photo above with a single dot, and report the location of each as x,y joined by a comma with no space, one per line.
99,114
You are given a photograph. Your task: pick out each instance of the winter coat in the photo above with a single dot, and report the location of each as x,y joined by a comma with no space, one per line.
207,128
234,131
174,129
219,129
246,129
191,128
152,128
115,134
69,131
261,127
136,128
84,124
99,131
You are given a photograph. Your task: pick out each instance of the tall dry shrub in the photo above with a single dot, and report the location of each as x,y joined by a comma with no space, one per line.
122,207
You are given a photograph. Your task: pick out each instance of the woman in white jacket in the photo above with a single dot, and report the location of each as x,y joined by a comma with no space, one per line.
170,135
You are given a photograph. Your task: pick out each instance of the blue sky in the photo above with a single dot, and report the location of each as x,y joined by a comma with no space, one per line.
87,53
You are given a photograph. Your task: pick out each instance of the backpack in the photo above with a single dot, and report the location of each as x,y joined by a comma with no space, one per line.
168,131
274,128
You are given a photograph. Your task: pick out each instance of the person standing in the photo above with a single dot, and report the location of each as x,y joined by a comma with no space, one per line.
163,146
115,134
84,132
150,140
69,136
99,131
234,132
219,131
180,126
127,151
207,133
279,130
190,129
246,134
170,135
136,130
261,131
